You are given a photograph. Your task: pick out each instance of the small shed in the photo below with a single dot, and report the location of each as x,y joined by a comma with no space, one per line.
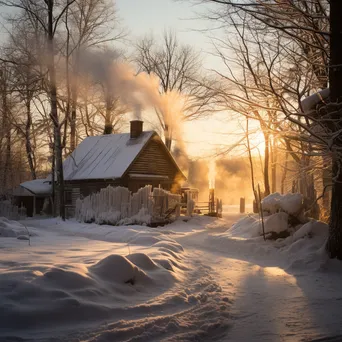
132,160
32,195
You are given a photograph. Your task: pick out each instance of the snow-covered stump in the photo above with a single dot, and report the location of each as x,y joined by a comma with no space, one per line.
282,214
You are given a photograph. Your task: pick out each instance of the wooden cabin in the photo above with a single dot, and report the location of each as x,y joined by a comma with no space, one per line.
132,160
33,196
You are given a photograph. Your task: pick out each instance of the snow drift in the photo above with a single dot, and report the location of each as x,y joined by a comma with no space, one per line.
300,239
37,283
73,294
72,284
289,203
9,228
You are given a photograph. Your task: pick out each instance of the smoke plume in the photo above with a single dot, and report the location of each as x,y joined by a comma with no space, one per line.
138,92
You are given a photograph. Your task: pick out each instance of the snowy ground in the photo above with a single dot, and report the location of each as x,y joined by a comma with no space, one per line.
188,281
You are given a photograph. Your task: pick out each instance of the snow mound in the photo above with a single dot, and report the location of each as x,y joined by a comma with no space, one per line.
144,239
23,237
289,203
142,260
247,227
307,232
306,247
303,249
271,202
76,293
251,226
171,245
66,279
277,223
83,285
116,268
165,263
12,229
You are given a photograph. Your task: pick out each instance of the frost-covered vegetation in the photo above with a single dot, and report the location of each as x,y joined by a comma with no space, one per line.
117,206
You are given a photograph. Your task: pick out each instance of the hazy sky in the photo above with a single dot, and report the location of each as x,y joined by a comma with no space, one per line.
144,16
141,17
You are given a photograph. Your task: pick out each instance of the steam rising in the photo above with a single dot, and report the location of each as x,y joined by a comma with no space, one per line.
229,177
136,91
212,174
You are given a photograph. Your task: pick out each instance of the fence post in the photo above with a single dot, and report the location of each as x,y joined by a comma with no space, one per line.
242,205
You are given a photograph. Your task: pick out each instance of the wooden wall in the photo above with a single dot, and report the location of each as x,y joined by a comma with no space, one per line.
154,160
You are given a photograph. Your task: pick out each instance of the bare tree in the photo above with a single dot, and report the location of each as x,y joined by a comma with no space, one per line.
177,68
313,30
88,24
305,23
23,50
48,16
6,127
334,243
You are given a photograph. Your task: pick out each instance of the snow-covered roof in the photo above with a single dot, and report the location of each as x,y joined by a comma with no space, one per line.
19,191
38,187
104,157
311,101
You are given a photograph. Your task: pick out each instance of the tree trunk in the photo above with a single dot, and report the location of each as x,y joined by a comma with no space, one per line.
266,165
53,177
73,123
283,178
89,126
74,95
54,113
334,243
28,145
7,132
7,168
274,159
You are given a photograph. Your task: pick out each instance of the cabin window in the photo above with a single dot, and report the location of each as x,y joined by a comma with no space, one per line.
68,197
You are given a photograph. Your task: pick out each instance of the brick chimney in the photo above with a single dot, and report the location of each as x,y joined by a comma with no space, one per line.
136,128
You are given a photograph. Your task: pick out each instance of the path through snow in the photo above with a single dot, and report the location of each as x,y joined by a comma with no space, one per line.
268,302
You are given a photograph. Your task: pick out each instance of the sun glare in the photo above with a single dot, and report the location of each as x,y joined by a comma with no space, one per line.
257,141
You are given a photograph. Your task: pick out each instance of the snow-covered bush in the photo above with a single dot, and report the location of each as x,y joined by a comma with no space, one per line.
282,214
276,223
292,204
289,203
271,203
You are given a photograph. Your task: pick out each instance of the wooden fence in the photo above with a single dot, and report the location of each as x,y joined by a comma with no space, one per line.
116,205
12,212
206,208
